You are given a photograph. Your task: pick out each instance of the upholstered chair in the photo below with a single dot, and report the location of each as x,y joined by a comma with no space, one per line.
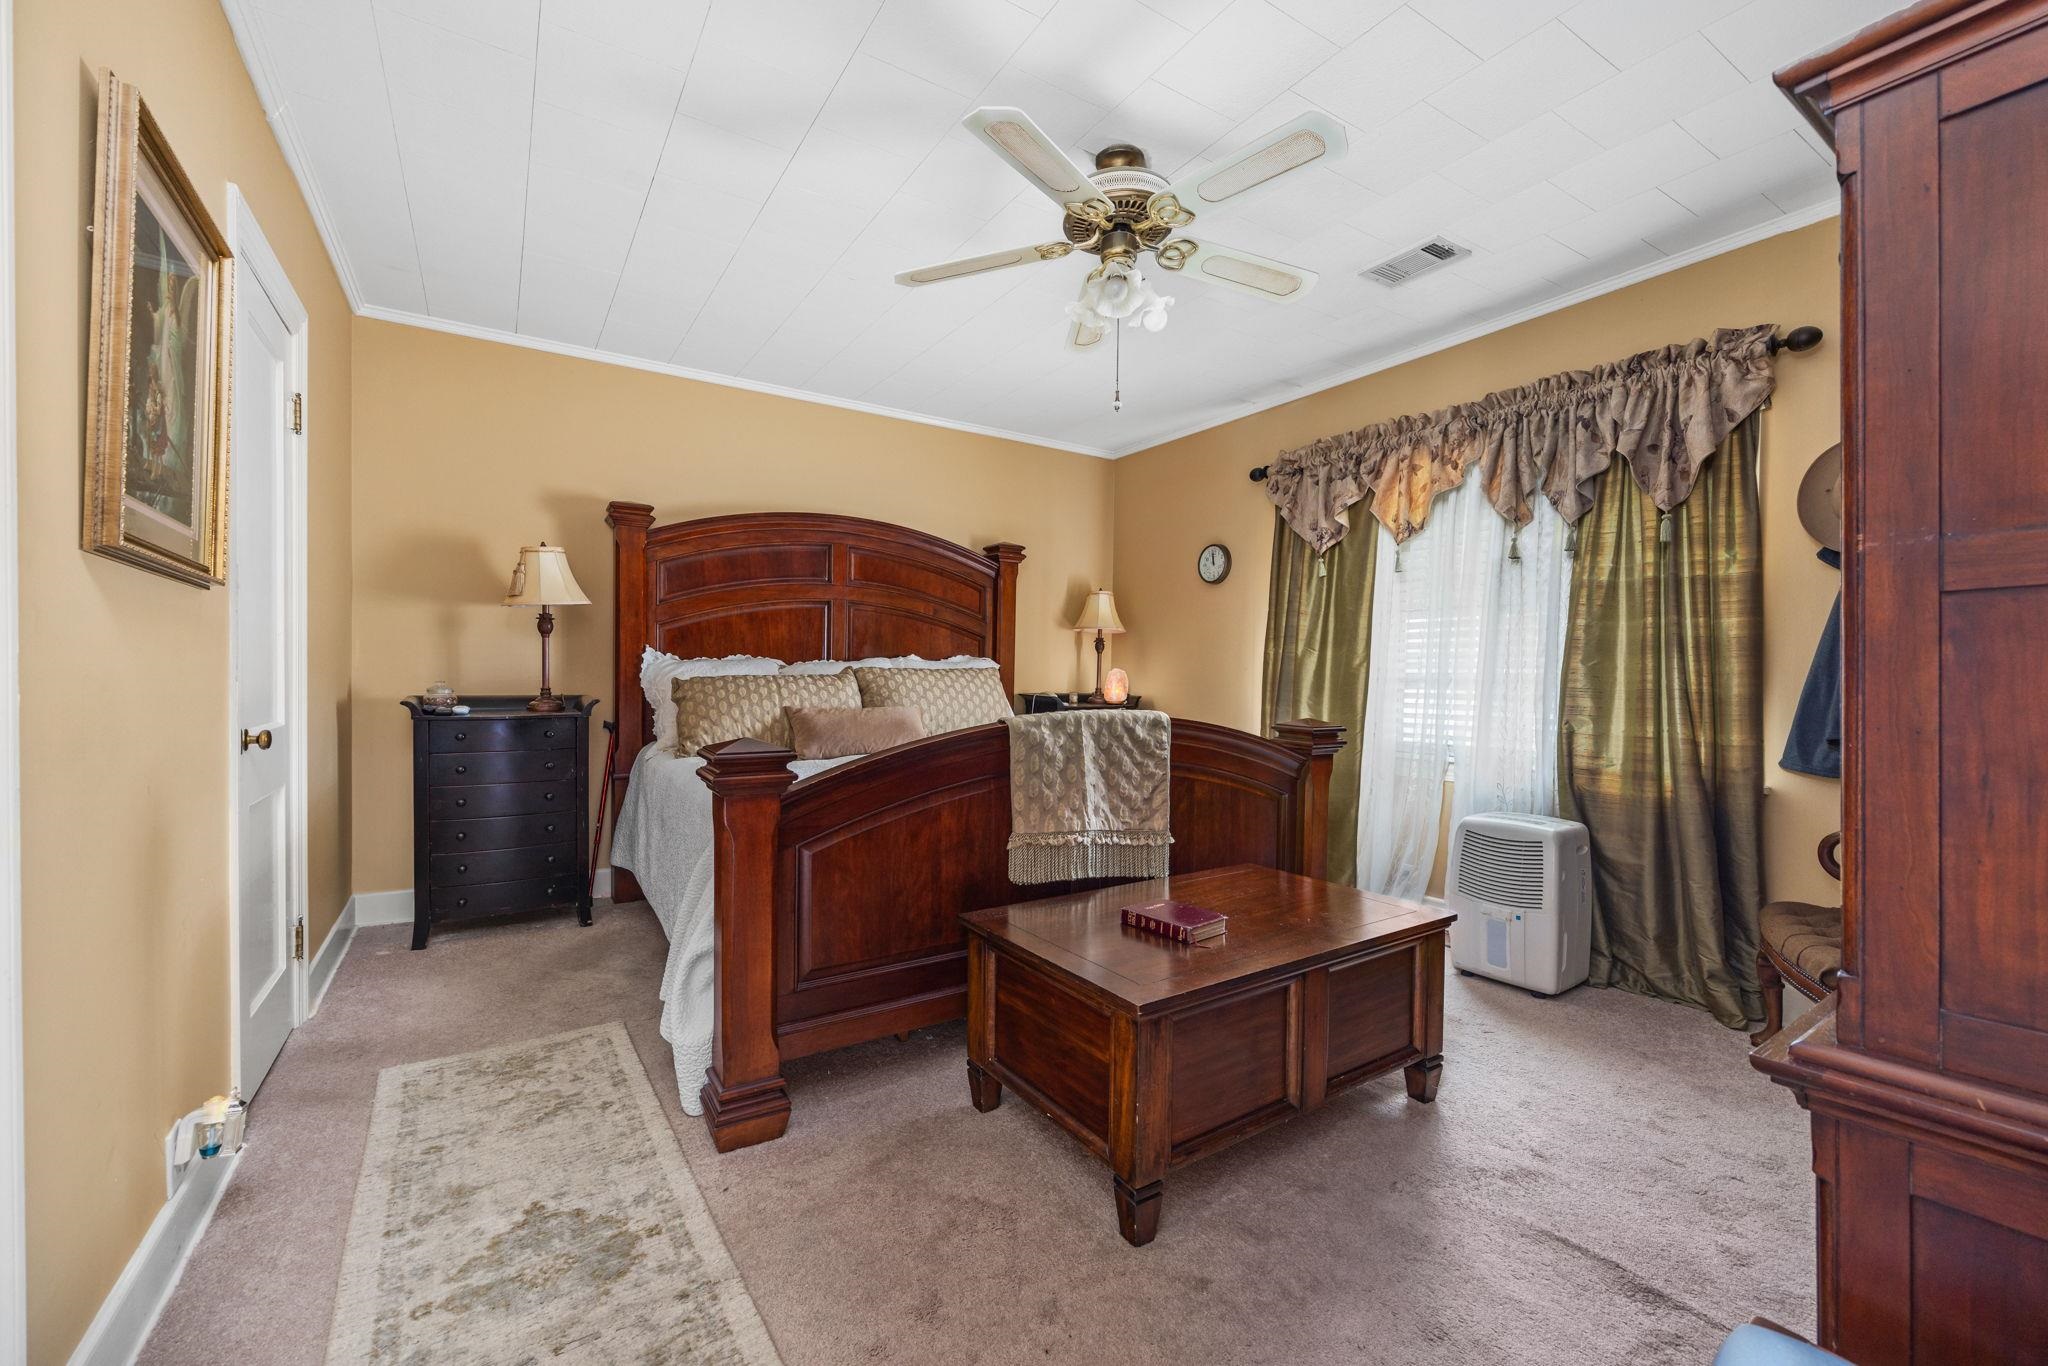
1802,944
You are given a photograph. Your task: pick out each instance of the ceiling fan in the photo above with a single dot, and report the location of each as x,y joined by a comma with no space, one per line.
1124,209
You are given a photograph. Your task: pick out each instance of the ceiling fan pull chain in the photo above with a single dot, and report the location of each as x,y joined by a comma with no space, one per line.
1116,404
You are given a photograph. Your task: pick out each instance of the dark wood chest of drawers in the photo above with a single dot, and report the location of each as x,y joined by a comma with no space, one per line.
500,803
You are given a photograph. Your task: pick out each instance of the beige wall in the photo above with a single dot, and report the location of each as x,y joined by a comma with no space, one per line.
124,674
468,449
1197,649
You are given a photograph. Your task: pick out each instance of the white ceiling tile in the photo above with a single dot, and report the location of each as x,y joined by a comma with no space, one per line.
745,95
507,24
850,172
1407,147
1626,31
572,216
1617,263
1415,212
664,31
1249,54
1341,21
1063,115
810,39
1538,260
1737,122
1664,153
1531,75
434,64
1672,83
703,154
830,223
1172,128
606,83
1099,50
577,142
1397,62
562,300
1619,227
1489,26
1189,14
685,213
959,44
1538,150
1521,216
887,107
1738,215
1767,34
325,54
1783,163
1812,191
474,292
1299,204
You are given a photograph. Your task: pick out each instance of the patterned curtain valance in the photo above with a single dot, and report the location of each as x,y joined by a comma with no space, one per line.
1663,411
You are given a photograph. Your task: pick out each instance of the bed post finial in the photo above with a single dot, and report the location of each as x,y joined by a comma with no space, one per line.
1003,650
1317,742
745,1098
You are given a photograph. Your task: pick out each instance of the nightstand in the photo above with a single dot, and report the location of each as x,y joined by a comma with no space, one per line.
500,805
1031,703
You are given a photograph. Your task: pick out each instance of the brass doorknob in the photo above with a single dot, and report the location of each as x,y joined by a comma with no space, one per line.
261,739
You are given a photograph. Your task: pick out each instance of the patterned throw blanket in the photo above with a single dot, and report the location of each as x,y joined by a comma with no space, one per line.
1090,795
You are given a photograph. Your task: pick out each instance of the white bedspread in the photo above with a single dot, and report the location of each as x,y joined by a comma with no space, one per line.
664,840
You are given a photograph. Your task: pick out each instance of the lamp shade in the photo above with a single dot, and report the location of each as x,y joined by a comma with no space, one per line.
1098,613
542,579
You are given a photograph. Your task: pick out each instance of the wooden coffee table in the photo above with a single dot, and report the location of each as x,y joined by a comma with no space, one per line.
1154,1053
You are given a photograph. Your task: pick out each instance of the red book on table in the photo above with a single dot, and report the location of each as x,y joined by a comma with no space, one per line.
1176,920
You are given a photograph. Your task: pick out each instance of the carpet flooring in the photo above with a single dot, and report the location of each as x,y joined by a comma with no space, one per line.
1602,1179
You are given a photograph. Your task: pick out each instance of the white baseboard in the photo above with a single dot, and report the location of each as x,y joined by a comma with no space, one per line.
320,972
395,908
131,1308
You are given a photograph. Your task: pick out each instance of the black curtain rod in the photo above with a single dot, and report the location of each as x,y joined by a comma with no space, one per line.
1798,339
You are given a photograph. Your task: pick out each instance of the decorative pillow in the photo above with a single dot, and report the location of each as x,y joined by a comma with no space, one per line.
716,708
658,671
833,666
834,732
947,699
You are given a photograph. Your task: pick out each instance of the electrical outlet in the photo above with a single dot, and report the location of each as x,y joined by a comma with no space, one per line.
174,1174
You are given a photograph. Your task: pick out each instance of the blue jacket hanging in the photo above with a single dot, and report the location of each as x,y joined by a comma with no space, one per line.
1814,744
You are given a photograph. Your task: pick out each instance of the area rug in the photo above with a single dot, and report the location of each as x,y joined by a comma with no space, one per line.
530,1203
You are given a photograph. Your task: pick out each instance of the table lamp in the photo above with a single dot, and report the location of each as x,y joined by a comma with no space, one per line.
542,579
1098,614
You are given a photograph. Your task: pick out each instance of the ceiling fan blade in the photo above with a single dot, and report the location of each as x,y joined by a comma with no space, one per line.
1016,139
980,265
1244,271
1311,138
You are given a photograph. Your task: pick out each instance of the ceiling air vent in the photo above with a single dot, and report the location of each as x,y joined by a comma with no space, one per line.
1429,256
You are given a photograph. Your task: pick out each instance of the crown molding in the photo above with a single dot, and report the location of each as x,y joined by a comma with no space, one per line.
493,334
1791,222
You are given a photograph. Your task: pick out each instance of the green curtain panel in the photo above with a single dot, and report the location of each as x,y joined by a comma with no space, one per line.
1318,654
1661,733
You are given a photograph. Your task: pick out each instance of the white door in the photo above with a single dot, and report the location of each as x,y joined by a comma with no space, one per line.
260,577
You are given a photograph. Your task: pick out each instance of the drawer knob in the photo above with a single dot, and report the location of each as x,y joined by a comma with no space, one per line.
462,801
551,764
551,858
547,796
462,735
461,867
461,901
462,768
548,734
461,835
550,827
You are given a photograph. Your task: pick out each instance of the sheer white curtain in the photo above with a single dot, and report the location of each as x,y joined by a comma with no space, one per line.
1467,648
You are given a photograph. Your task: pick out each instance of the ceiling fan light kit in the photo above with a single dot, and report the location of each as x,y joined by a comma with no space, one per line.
1124,209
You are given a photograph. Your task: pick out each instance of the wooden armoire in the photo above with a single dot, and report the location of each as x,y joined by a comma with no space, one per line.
1927,1075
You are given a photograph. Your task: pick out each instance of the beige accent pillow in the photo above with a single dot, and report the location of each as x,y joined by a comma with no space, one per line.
712,710
947,699
835,732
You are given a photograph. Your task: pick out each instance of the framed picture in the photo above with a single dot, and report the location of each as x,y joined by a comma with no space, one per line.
159,355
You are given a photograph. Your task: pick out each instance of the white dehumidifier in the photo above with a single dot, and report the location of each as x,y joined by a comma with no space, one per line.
1523,890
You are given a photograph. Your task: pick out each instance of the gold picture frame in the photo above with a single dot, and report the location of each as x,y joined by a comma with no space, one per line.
160,355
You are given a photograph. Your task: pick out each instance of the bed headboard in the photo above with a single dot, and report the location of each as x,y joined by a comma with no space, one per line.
799,585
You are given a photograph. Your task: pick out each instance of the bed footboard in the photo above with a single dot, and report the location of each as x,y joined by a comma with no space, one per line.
838,897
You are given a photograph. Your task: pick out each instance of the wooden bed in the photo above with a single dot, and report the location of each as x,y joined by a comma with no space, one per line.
837,897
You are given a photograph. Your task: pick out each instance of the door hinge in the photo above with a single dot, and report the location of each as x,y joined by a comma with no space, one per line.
298,414
299,940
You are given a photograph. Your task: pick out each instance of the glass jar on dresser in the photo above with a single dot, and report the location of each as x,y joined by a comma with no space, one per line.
501,800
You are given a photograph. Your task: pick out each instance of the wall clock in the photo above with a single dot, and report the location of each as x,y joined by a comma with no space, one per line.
1213,564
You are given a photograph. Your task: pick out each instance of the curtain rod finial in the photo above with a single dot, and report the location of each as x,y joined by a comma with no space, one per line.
1259,474
1798,339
